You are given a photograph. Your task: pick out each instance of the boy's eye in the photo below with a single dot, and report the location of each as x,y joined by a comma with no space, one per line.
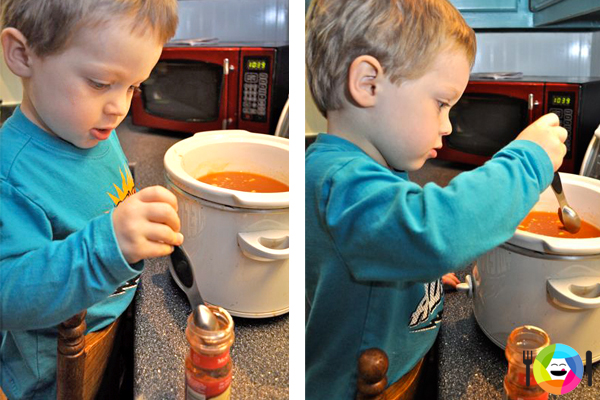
441,104
98,85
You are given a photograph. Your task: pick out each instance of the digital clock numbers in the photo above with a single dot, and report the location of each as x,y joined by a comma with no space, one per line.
256,65
561,100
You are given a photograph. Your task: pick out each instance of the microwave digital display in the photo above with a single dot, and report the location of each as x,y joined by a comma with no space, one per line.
561,100
256,65
255,89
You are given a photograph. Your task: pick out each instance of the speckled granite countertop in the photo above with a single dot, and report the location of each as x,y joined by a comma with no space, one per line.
260,351
471,367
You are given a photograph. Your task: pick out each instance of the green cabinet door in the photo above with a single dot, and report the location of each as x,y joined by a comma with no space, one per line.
481,14
566,13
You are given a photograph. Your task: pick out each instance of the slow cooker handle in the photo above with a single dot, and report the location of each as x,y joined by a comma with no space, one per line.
579,292
258,200
466,286
268,245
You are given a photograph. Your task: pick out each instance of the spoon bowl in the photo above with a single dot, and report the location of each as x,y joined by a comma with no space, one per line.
204,318
569,217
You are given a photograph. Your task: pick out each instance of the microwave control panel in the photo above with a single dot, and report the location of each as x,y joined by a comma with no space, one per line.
255,88
563,105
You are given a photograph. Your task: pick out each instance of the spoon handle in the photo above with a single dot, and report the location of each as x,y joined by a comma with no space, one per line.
557,184
558,190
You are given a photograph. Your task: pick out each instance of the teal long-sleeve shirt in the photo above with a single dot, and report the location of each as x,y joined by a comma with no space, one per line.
58,250
378,244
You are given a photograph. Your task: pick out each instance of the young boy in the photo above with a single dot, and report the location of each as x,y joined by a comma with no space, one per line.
385,74
73,230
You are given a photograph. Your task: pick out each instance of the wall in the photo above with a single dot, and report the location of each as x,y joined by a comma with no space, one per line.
10,86
539,53
314,122
234,20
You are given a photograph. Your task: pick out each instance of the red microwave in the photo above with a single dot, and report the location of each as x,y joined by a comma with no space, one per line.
194,89
491,113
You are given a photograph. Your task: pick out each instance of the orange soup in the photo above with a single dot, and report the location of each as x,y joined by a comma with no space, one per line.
548,224
245,182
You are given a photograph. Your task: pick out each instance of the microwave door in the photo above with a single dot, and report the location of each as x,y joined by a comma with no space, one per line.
488,116
190,89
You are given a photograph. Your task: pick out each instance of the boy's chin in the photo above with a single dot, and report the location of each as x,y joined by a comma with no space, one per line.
415,165
83,144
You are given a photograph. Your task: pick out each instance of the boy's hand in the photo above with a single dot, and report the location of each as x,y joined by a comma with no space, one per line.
449,281
547,132
147,225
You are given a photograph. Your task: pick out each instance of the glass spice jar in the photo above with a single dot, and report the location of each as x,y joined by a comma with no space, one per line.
523,338
208,365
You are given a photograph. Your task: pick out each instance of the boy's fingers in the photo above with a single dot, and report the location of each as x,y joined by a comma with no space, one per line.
562,134
158,194
156,249
163,234
163,213
550,119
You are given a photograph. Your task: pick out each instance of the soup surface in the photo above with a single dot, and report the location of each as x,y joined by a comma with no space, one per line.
245,182
548,224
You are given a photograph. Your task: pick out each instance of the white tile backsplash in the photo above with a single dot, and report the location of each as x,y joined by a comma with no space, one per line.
539,53
234,20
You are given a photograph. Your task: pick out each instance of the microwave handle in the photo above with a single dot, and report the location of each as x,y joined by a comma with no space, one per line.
531,103
225,91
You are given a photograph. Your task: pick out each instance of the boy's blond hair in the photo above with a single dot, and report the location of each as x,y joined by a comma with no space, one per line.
403,35
48,25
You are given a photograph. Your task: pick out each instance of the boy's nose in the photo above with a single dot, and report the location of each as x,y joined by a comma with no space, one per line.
118,105
445,126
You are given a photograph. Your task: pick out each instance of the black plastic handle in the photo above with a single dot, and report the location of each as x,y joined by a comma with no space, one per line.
556,183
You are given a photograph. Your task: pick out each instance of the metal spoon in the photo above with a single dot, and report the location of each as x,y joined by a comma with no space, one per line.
567,215
203,317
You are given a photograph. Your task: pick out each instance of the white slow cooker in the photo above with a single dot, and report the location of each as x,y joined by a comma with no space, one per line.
552,283
236,248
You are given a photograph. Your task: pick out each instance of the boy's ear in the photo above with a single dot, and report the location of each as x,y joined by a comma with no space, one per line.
364,76
17,53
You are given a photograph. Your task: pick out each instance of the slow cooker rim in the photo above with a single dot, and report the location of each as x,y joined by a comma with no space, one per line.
243,200
214,204
548,256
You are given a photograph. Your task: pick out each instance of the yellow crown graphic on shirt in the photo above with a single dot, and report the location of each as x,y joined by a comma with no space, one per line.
127,188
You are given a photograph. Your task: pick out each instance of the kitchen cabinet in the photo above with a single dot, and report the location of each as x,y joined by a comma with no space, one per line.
495,13
566,13
516,14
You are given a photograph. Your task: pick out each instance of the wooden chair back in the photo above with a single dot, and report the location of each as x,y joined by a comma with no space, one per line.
82,359
372,380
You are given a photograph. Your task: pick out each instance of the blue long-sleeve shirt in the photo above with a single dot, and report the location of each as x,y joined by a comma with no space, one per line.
58,250
377,245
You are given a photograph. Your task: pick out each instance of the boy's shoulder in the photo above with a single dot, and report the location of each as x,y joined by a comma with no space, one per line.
332,157
13,140
331,151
